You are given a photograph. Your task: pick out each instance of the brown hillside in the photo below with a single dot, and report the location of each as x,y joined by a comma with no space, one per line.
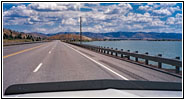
69,37
9,32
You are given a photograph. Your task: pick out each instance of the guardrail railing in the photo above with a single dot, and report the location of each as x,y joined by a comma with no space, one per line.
115,52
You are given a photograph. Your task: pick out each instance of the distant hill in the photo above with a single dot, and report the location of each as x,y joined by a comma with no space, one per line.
11,34
35,34
68,37
128,35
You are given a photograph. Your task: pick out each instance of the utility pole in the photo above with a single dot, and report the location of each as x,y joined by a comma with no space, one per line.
80,30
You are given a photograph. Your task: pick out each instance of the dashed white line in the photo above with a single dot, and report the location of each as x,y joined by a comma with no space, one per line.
98,63
51,50
36,69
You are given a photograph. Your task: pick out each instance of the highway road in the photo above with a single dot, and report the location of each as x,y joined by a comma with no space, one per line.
57,61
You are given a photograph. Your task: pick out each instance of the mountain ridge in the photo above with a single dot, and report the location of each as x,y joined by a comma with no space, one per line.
127,35
114,35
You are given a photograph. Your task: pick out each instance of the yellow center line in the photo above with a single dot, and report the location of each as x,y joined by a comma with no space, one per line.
22,51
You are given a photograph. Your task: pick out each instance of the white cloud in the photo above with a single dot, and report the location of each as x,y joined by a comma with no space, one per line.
138,26
70,21
125,6
157,22
177,20
162,8
16,21
162,12
146,8
21,10
150,3
122,8
55,6
170,20
167,4
40,29
173,9
65,17
139,18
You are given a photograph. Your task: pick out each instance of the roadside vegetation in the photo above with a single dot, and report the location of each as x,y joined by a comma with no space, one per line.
10,36
16,40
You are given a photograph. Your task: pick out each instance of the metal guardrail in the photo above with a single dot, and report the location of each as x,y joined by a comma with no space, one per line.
159,59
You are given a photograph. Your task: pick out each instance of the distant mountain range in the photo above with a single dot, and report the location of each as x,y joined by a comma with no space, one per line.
127,35
109,35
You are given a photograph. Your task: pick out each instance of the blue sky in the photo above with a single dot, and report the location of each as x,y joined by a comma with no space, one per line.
97,17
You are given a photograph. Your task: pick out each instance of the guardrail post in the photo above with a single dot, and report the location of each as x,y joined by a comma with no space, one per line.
107,50
101,49
92,48
98,48
128,57
89,48
121,54
104,50
86,47
146,60
111,51
136,59
177,68
159,63
95,49
116,54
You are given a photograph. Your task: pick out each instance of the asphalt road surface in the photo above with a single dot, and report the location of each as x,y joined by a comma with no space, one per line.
57,61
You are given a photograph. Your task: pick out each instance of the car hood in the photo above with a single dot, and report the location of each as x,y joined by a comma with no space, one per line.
103,88
107,93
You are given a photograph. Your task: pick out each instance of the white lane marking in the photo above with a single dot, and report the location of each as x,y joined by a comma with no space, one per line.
51,50
36,69
98,63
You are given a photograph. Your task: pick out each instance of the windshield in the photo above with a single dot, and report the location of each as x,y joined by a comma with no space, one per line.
137,44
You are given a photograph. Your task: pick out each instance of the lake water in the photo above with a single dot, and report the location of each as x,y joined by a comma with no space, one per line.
168,49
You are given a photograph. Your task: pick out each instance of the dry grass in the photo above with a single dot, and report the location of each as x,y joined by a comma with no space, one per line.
16,40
